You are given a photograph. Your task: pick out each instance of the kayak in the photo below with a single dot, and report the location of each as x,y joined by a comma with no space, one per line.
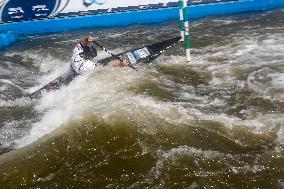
143,54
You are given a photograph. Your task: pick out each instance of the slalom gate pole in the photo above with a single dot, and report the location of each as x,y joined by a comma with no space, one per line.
181,22
185,23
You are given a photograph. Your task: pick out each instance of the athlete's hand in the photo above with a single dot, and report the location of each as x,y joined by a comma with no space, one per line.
125,62
118,63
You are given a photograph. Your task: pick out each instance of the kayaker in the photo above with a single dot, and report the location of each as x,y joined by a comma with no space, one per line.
83,55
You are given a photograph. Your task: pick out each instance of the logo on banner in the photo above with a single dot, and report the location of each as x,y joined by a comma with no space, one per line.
88,3
15,10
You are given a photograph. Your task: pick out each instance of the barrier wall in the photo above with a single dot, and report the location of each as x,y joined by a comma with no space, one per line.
27,17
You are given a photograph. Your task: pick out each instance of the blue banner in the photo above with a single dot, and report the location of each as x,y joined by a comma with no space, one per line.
18,10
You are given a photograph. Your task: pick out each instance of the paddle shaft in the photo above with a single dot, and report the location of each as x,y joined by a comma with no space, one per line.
115,56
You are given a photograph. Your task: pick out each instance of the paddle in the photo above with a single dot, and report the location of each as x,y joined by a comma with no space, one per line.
115,56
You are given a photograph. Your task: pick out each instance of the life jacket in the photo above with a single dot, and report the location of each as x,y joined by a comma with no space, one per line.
81,58
89,52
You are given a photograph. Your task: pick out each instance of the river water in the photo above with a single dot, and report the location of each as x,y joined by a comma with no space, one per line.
215,122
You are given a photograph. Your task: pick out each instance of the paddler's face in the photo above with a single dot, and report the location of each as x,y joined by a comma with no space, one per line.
90,40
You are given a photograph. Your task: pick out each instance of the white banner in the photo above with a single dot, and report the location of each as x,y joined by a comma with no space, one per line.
85,5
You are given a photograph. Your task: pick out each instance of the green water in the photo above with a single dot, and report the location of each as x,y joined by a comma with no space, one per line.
216,122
